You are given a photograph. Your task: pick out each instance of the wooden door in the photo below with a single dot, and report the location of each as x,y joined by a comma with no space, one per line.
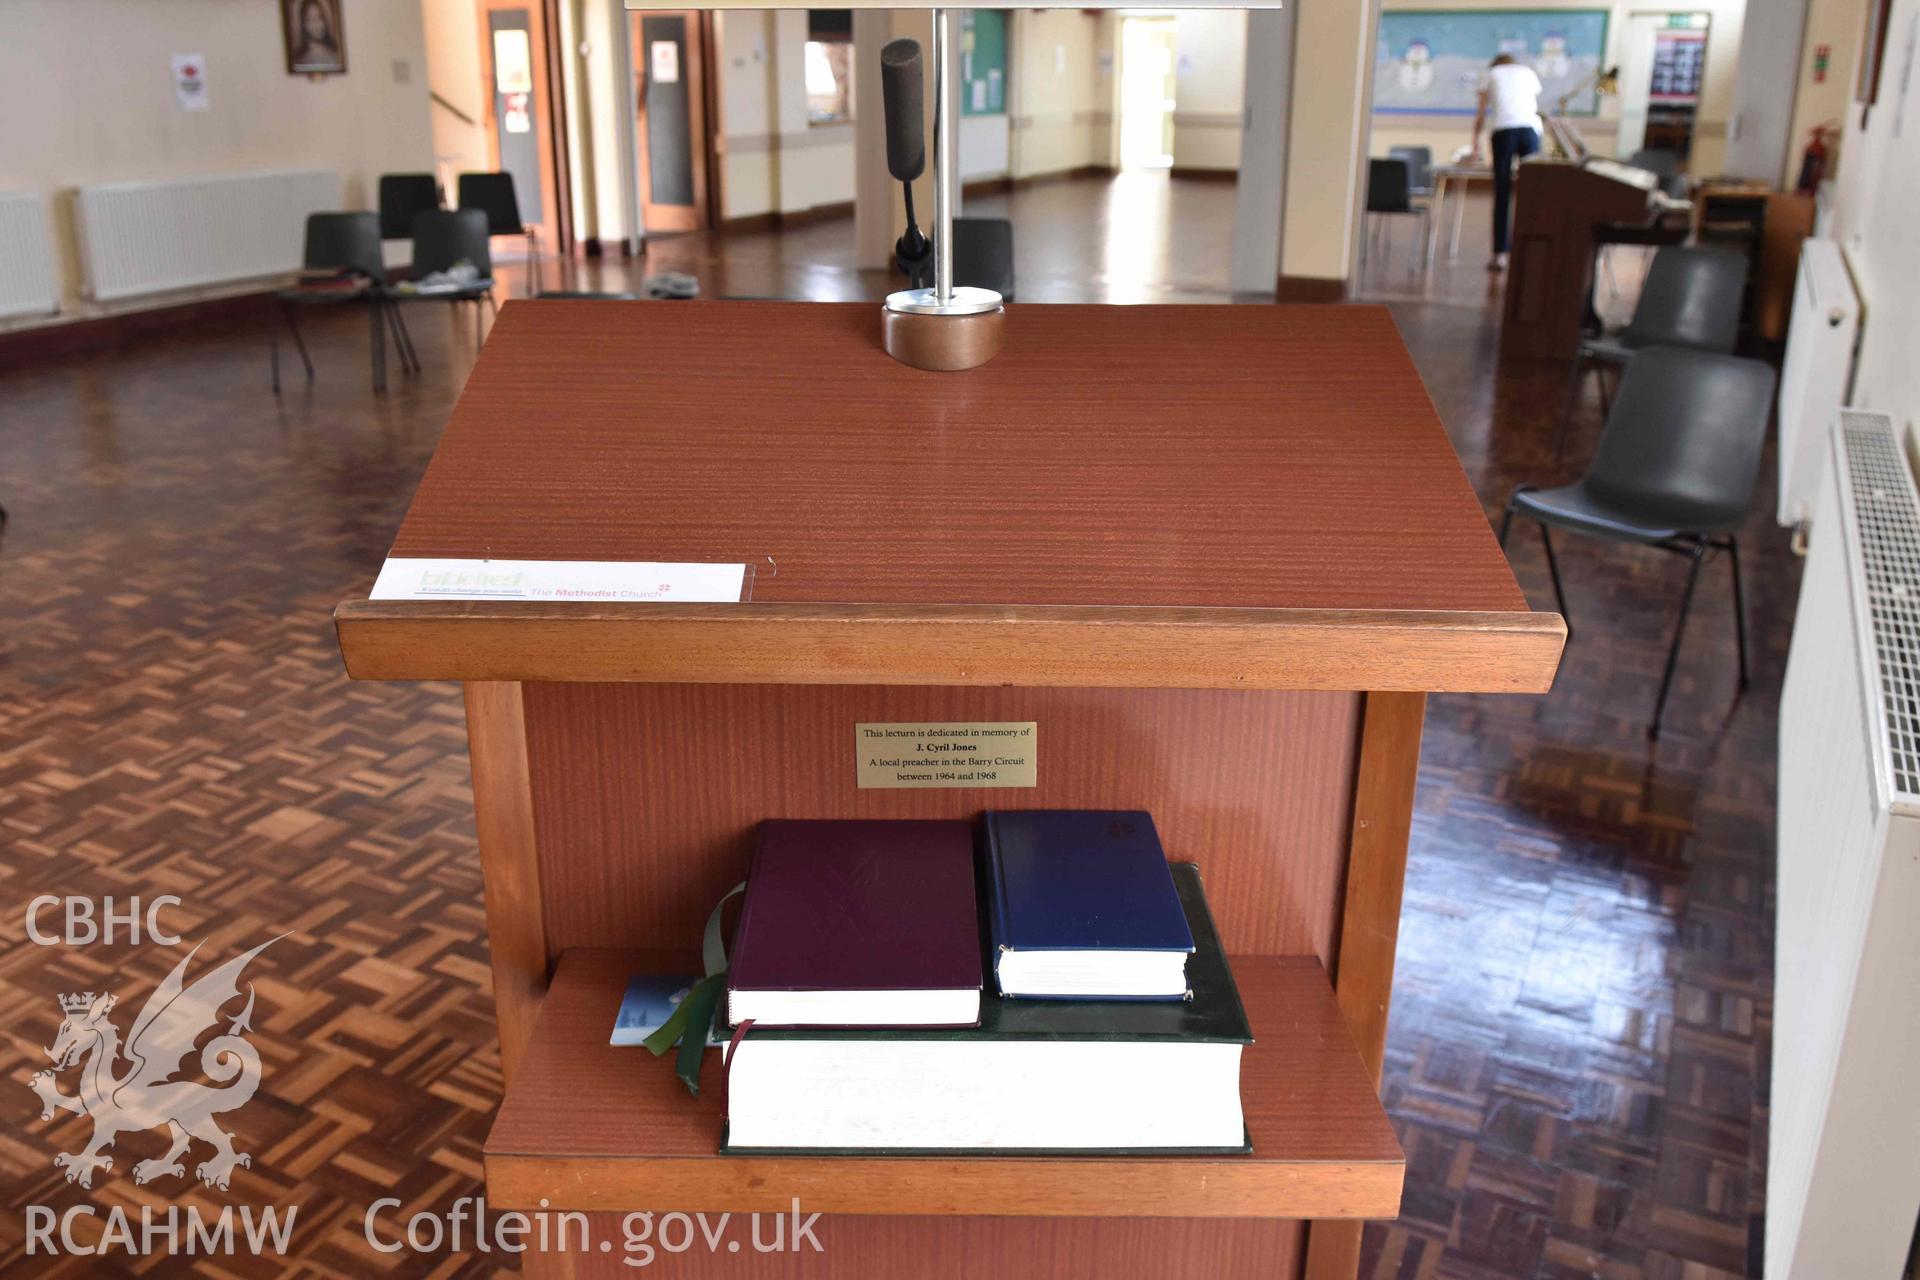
669,60
520,106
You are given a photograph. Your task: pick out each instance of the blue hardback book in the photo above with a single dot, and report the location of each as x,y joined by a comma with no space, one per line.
1084,906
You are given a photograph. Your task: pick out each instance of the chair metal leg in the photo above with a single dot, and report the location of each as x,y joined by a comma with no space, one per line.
1606,395
1739,605
1506,519
1698,554
377,328
1553,571
533,261
402,340
400,318
1438,210
299,342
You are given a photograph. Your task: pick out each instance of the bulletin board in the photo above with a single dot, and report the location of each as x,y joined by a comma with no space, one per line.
983,62
1430,61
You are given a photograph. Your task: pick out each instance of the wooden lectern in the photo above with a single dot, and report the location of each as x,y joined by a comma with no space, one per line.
1558,205
1218,555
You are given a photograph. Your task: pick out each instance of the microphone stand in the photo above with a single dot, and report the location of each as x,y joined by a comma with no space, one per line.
948,326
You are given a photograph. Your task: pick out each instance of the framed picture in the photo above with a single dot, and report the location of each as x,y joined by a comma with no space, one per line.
316,37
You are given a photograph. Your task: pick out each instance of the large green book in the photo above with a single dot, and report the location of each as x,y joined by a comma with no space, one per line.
1035,1077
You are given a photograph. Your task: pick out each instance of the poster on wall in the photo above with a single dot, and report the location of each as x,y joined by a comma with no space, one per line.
983,62
190,82
315,37
1429,61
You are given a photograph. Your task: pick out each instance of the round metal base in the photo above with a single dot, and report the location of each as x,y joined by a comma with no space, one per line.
942,343
966,301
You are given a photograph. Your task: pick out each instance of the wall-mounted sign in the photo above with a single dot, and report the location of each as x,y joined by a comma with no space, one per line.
664,58
190,82
512,61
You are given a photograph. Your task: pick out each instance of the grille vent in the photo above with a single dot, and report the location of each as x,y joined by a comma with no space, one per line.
1885,515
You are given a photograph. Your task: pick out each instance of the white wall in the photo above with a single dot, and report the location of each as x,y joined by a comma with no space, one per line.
1839,25
985,147
1210,63
1326,136
1445,133
456,70
87,89
1876,191
1060,93
1758,129
771,159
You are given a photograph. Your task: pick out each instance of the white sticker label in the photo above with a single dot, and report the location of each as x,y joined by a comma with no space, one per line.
588,581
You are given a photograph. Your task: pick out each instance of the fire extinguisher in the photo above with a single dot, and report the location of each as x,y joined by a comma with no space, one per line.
1813,164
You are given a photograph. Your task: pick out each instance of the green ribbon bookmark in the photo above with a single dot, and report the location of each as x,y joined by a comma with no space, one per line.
688,1027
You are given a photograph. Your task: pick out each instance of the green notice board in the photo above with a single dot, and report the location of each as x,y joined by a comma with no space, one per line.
983,62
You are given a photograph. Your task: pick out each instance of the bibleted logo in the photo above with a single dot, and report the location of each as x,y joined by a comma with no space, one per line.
148,1093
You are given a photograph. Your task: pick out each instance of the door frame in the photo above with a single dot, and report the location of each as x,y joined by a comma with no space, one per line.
556,188
697,65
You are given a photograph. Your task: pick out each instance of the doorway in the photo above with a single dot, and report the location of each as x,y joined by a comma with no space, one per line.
520,121
1146,93
1663,63
669,59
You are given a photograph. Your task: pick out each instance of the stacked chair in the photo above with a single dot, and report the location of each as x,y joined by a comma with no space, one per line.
403,197
347,244
1390,190
1679,456
442,240
493,195
1690,298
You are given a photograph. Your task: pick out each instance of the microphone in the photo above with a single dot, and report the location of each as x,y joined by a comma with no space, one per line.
903,97
903,93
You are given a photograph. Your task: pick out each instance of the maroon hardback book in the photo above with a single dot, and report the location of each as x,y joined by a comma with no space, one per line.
858,924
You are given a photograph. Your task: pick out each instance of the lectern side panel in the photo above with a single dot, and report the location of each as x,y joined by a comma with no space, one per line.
859,1248
503,820
646,796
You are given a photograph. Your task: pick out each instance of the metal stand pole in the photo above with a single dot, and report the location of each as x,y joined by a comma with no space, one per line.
943,158
949,326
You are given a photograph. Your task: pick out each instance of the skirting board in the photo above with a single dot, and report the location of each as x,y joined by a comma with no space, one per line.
1309,289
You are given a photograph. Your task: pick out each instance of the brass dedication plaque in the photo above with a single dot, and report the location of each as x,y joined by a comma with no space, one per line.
946,755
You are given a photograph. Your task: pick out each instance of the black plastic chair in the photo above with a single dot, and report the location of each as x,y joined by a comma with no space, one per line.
982,257
442,240
1676,469
1690,298
348,243
1390,191
1421,158
493,195
402,197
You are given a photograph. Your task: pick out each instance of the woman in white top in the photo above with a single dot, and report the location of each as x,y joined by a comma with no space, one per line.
1510,98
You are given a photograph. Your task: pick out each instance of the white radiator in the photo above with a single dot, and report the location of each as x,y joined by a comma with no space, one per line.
1817,377
29,284
149,237
1843,1164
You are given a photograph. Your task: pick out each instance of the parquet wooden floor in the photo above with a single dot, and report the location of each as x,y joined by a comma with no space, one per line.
1577,1055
